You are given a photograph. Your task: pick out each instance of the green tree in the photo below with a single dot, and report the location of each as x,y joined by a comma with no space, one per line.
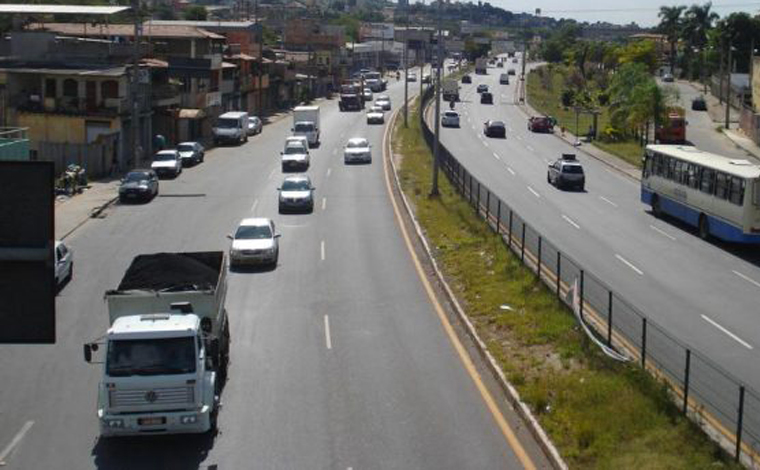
697,23
195,13
641,52
671,25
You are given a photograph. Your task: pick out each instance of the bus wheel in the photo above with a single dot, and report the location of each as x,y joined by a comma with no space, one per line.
656,208
704,227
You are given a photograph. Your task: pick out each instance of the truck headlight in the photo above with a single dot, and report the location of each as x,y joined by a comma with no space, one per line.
188,419
114,423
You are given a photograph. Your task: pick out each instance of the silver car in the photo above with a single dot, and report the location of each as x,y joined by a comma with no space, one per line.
138,184
64,264
254,125
566,172
375,115
296,194
384,101
450,119
358,149
295,157
255,242
191,153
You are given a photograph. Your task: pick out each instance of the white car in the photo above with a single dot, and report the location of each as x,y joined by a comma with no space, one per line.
450,119
367,94
64,264
375,115
255,242
296,194
167,163
384,101
295,157
297,138
358,149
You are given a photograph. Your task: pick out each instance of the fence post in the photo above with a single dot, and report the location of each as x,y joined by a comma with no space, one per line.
559,273
643,342
739,423
580,307
488,207
498,216
522,244
477,202
509,242
686,372
609,319
540,239
470,198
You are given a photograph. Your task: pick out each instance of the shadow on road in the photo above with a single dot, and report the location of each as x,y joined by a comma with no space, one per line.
154,452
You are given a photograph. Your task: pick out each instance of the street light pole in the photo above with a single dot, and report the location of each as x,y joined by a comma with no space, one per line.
259,71
136,144
728,88
406,67
437,147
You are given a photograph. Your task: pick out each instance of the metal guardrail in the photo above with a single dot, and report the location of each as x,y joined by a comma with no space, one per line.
720,403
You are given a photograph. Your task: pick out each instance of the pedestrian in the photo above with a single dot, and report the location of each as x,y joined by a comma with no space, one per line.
562,131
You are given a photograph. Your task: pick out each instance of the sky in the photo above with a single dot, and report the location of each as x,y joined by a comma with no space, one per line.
643,12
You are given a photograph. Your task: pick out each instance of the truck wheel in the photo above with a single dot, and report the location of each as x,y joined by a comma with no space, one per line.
704,227
656,207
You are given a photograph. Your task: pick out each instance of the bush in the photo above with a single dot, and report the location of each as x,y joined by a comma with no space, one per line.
568,97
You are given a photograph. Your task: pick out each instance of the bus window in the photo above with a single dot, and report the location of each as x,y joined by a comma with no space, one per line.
693,176
648,164
737,191
721,185
707,182
671,163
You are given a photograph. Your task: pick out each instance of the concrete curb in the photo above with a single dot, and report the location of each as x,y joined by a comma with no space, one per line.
513,396
94,213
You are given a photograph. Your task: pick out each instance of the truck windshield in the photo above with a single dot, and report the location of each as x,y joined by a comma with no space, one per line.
151,357
227,123
304,127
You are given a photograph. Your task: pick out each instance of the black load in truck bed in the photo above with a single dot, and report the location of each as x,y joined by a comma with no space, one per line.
180,271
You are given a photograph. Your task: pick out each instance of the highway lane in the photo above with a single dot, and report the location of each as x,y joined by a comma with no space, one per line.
650,262
338,360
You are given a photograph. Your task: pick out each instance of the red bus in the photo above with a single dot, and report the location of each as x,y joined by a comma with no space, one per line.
673,131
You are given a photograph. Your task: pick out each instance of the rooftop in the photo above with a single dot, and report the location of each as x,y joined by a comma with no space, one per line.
126,30
184,325
742,168
61,9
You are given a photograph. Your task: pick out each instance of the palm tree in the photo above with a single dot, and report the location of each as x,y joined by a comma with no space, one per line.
698,21
671,24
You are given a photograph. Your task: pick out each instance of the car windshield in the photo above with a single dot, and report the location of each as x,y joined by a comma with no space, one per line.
294,150
296,185
355,144
253,232
451,114
185,148
496,124
227,123
151,357
576,169
132,177
164,157
304,127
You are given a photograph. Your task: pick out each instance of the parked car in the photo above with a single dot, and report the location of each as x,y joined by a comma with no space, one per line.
492,128
426,78
384,102
64,264
295,157
167,163
358,149
482,88
138,184
504,79
566,172
466,79
450,119
191,153
375,115
699,104
254,125
296,194
540,124
255,242
668,78
486,98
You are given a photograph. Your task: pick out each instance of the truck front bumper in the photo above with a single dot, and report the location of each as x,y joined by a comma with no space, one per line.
173,422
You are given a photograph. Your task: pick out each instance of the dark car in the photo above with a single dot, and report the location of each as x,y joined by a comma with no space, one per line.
138,185
566,172
699,104
482,88
511,71
486,98
466,79
494,129
504,79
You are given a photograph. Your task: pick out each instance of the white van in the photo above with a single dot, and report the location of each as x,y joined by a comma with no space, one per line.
231,127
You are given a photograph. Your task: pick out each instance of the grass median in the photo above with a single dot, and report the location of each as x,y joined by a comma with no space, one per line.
599,413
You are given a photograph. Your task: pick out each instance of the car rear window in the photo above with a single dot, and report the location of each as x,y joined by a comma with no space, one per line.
575,169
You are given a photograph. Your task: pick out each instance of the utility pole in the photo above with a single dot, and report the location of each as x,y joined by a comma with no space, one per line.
406,67
259,71
437,147
135,95
522,77
728,87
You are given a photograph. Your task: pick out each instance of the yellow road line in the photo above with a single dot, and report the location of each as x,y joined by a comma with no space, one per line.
469,366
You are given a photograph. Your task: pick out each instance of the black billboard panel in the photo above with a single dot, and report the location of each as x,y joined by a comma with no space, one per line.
27,241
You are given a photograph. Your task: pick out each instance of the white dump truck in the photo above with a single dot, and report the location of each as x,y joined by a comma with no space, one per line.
306,123
166,352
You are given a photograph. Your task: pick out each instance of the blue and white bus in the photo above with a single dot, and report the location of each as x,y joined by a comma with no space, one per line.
718,195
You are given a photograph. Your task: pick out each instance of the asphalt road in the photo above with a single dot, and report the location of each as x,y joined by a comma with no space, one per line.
384,389
704,294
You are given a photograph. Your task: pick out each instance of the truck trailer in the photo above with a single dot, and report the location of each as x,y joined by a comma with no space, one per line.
166,351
